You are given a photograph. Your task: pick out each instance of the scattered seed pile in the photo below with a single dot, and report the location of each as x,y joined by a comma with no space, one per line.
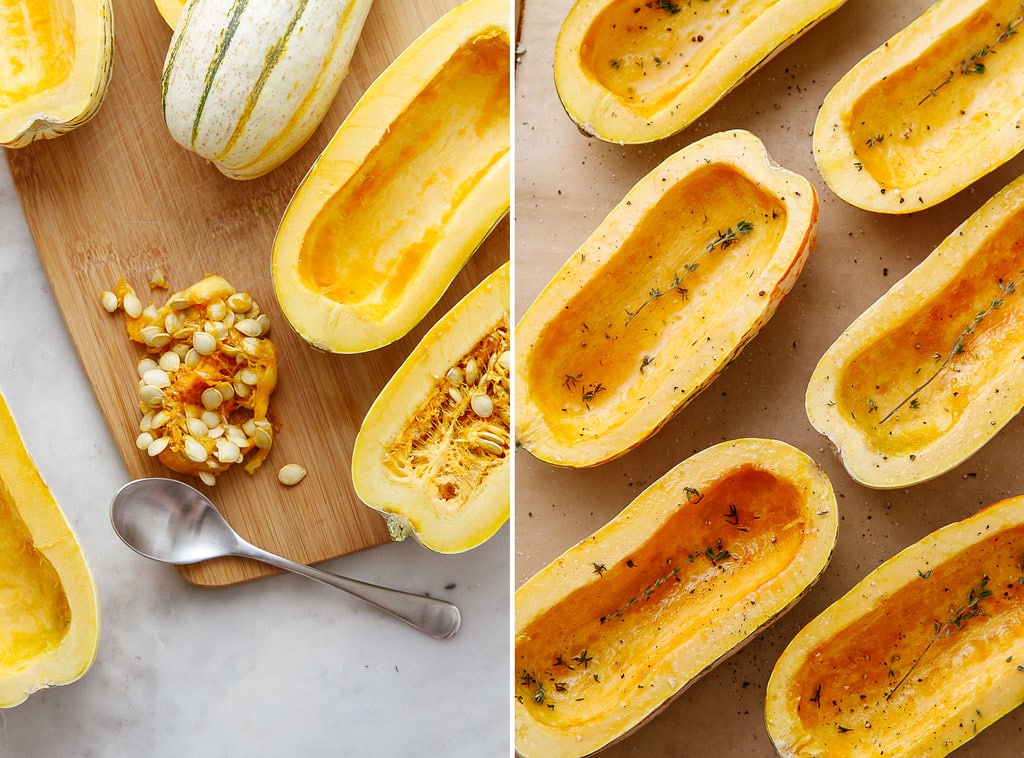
461,430
204,387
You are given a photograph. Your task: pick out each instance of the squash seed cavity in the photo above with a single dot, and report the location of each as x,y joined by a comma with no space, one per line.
462,429
204,384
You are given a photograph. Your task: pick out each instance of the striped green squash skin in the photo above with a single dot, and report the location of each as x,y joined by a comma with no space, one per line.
246,82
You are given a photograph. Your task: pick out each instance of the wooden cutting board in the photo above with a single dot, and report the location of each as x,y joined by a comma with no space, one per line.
119,198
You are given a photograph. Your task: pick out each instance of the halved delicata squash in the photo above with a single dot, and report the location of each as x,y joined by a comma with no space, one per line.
58,57
930,111
433,452
917,658
50,628
633,72
407,189
932,370
673,283
622,623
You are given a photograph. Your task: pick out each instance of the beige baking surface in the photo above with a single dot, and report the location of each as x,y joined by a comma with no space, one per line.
118,198
567,182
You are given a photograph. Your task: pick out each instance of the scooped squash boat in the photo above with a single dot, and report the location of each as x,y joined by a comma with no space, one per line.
928,112
58,60
408,188
50,631
673,283
634,72
916,659
622,623
932,370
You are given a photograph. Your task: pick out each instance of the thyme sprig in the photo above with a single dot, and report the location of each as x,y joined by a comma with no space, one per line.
958,619
974,64
723,240
1005,288
646,594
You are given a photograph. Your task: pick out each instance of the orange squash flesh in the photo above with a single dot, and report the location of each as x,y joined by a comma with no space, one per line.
624,621
919,657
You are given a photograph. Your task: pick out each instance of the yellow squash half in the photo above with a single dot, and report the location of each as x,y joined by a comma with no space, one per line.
916,659
932,370
50,610
55,63
673,283
433,452
406,190
634,72
934,108
619,625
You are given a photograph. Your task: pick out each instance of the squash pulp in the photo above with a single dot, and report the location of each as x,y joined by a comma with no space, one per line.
407,189
607,634
926,114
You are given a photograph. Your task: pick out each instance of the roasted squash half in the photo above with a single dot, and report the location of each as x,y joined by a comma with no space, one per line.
619,625
407,189
50,628
433,452
916,659
678,277
55,68
927,113
633,72
932,370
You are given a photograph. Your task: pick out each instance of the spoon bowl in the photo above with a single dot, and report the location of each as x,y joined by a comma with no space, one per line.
171,522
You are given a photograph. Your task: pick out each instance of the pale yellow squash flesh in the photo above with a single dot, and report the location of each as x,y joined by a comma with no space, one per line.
919,657
931,371
49,614
56,58
405,192
930,111
620,624
633,72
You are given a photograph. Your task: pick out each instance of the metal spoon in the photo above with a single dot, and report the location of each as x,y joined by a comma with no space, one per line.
169,521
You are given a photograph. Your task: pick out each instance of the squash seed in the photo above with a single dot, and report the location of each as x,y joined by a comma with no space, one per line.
291,474
204,343
212,399
109,301
194,450
150,396
482,405
250,327
157,377
132,305
157,446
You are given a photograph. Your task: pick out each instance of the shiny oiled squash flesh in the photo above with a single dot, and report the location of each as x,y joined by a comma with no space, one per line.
409,186
927,113
932,370
433,452
245,82
170,10
633,72
673,283
916,659
50,612
56,58
619,625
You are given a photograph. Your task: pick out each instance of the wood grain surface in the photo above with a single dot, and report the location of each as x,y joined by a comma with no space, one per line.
119,198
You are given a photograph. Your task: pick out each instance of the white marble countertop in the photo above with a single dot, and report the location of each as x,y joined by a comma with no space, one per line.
279,666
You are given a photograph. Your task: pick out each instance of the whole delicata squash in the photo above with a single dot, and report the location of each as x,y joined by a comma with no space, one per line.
619,625
56,60
50,628
433,452
673,283
407,189
633,72
934,108
932,370
917,658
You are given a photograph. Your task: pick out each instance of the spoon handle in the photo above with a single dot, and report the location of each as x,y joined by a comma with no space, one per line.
438,618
